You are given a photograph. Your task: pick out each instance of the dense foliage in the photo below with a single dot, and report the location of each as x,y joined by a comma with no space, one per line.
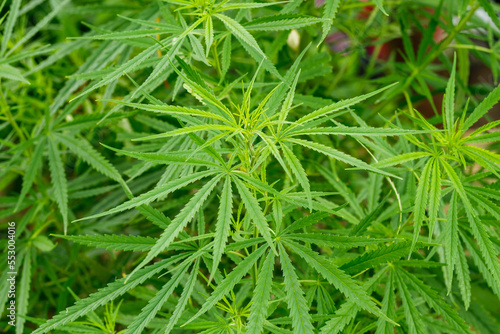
217,166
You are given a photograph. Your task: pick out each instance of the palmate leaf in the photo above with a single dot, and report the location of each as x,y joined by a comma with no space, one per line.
255,212
381,255
337,106
240,32
304,222
129,66
130,34
87,153
435,301
335,241
357,131
400,159
183,300
165,158
112,241
281,22
188,130
149,311
154,194
330,10
481,264
337,278
174,110
179,222
223,224
249,43
413,317
58,177
105,295
230,281
488,251
261,296
388,307
299,311
483,107
337,155
348,310
39,25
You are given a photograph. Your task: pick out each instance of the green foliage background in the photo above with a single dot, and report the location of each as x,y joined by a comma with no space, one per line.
216,166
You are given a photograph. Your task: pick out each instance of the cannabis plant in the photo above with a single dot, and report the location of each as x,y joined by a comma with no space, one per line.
213,166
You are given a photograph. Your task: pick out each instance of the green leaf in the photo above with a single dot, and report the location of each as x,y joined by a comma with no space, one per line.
299,311
414,319
348,310
261,296
9,24
400,159
230,281
87,153
168,159
483,107
298,171
357,131
434,196
421,199
56,8
183,300
112,241
340,105
380,6
58,177
281,22
449,100
179,222
452,246
436,302
130,34
105,295
154,194
23,293
249,43
175,110
388,307
335,241
226,56
154,305
255,212
209,34
32,170
187,130
11,73
223,224
381,255
337,278
330,10
338,155
304,222
240,32
489,252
